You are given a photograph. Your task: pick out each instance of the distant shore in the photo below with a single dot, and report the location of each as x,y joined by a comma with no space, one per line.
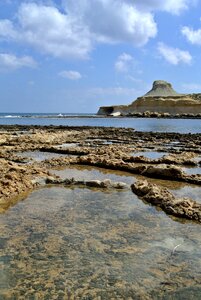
96,116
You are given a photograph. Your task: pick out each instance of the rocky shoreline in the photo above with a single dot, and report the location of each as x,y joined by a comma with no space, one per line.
162,101
109,148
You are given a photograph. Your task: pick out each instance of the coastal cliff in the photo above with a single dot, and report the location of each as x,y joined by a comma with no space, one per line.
161,99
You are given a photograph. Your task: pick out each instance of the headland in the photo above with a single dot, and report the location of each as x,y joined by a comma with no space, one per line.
162,101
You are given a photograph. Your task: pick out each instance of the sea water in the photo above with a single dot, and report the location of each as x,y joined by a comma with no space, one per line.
139,124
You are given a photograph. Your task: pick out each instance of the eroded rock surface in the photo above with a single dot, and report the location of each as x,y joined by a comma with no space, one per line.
109,148
104,184
161,197
17,179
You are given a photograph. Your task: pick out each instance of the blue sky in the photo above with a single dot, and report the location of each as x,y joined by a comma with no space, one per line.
74,56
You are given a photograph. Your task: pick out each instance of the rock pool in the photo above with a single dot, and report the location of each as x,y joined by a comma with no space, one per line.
79,243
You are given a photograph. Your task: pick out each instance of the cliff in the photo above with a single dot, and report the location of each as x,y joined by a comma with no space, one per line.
160,99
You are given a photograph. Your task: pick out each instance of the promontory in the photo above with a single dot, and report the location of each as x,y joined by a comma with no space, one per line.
161,100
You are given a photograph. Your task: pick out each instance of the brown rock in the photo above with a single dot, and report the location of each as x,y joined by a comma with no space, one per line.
161,197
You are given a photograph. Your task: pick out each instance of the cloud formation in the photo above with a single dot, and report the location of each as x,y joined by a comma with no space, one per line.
74,32
73,28
123,22
72,75
10,61
174,56
123,62
193,36
170,6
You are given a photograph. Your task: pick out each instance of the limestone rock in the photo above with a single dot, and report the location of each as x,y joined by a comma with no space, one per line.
161,101
161,197
161,88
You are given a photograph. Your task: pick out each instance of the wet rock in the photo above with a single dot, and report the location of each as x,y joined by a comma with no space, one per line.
38,181
105,184
164,171
18,175
161,197
184,158
94,183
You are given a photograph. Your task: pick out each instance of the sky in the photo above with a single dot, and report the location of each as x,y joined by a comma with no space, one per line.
70,56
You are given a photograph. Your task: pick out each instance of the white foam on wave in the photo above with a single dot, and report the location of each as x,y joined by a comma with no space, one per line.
10,116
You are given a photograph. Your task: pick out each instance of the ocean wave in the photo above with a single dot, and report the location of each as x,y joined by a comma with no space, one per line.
10,116
45,116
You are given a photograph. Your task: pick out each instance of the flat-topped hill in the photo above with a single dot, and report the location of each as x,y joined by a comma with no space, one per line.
162,98
161,88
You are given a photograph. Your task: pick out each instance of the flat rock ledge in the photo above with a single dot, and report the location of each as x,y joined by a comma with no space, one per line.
105,184
161,171
161,197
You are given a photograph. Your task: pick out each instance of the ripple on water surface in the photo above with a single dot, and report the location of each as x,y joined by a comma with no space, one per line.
89,244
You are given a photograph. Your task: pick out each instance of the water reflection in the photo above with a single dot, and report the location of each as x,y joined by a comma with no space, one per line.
80,172
150,154
39,155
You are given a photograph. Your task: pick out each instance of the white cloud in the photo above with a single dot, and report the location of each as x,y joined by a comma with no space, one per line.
7,30
123,62
49,31
193,36
72,75
174,56
10,61
114,21
75,32
172,6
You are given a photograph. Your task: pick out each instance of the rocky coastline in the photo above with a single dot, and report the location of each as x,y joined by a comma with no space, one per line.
162,101
109,148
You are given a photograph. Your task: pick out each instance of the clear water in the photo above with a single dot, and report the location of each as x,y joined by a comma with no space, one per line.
85,244
193,170
39,155
150,154
66,145
189,191
179,189
73,243
140,124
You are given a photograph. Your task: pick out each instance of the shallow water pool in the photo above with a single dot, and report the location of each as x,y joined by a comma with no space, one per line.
39,155
150,154
88,244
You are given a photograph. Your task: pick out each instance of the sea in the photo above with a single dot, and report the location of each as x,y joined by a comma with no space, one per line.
69,119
